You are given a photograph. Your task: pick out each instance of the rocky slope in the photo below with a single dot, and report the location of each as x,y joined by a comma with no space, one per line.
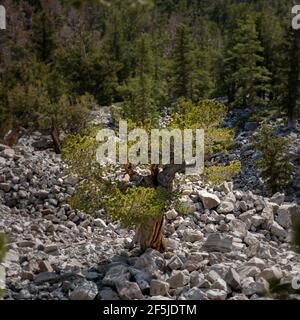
229,246
243,151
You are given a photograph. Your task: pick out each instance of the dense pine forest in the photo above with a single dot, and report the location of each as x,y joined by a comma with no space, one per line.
72,228
56,55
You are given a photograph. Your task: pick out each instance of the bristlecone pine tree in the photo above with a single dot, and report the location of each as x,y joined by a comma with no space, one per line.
141,200
275,163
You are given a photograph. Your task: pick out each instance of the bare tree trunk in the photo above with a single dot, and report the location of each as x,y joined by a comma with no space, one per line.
55,136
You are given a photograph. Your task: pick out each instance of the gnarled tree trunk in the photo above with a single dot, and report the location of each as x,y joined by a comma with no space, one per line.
150,234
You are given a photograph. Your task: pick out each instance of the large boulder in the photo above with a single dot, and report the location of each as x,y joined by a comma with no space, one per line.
209,200
286,213
278,198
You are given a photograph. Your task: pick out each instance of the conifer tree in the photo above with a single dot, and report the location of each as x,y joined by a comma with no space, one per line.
139,104
247,78
271,36
42,37
275,163
184,64
291,78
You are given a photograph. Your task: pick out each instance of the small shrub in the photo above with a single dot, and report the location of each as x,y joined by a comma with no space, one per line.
217,175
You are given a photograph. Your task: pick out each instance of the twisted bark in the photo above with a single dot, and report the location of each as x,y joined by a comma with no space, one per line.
150,234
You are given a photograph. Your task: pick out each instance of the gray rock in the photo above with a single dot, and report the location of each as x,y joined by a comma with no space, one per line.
8,153
197,280
26,244
221,285
116,274
218,242
239,297
155,298
243,206
24,295
129,291
209,200
278,198
213,276
233,279
86,290
257,262
51,248
22,194
190,235
175,263
277,230
271,273
43,277
5,187
216,294
239,226
108,294
43,194
172,214
285,215
151,261
251,287
248,271
257,220
100,223
195,294
159,288
179,279
45,266
225,207
227,187
71,180
186,205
